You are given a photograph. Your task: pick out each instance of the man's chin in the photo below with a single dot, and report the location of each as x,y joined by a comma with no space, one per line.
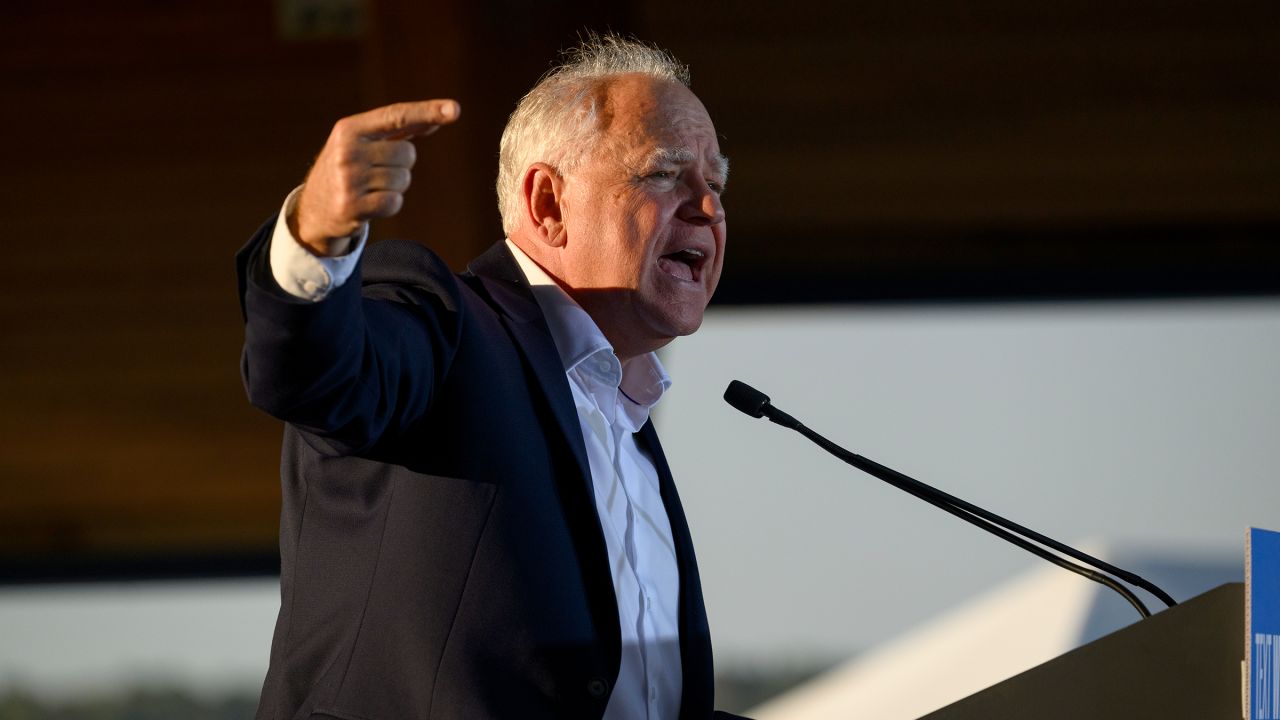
673,325
651,326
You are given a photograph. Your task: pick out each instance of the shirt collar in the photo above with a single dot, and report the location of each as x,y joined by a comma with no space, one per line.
642,380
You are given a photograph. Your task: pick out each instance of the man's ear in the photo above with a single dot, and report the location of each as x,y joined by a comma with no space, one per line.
542,191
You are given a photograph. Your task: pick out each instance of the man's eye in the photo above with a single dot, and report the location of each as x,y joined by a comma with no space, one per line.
716,187
662,175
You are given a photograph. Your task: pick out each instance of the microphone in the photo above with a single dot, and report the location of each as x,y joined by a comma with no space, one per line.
756,404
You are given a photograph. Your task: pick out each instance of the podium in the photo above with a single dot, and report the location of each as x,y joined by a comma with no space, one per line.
1185,662
1216,655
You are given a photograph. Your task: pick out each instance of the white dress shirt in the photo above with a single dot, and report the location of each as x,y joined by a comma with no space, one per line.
613,400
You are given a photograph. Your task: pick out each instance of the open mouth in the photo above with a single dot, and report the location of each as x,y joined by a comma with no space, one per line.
684,264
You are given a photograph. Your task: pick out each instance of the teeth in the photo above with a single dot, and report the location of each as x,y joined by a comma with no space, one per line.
694,252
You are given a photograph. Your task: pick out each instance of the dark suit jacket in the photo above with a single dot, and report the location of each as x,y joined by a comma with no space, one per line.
441,554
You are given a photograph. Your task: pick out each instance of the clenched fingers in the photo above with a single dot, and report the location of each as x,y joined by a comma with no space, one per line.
378,204
380,179
395,153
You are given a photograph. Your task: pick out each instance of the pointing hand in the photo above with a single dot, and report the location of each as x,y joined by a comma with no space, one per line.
363,171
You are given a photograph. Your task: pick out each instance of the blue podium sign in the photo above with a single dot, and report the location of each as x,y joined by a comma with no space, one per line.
1262,623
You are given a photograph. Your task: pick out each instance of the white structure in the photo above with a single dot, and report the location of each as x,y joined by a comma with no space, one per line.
1024,623
66,641
1146,425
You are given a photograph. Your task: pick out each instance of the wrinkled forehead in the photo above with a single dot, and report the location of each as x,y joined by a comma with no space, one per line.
641,115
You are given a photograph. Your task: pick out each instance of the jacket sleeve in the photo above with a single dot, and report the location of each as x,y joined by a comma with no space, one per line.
360,365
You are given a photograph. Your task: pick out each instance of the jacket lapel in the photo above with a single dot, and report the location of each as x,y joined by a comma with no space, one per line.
507,286
695,635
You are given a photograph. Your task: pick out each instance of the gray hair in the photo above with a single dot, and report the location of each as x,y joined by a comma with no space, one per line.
556,122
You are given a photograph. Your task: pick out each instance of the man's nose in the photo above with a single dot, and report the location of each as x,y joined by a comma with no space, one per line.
703,206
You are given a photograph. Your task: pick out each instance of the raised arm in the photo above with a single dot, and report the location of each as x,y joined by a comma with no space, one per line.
346,367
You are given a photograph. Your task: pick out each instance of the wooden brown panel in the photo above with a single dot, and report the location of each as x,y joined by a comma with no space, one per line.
153,139
851,124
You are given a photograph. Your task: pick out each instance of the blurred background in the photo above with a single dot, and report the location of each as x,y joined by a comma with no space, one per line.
1026,252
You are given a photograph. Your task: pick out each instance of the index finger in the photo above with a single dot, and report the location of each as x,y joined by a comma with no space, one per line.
406,119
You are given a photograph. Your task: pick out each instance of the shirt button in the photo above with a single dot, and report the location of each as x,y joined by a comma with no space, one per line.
597,688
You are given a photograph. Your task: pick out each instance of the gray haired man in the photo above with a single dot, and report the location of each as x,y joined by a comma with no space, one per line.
478,518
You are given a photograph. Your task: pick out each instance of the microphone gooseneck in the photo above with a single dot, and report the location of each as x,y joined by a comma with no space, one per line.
756,404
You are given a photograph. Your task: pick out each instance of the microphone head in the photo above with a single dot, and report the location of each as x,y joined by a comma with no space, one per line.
746,398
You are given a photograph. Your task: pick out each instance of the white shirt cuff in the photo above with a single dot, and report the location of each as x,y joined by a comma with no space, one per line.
299,272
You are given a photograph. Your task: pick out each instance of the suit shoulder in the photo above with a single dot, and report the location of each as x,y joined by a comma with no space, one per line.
407,265
404,262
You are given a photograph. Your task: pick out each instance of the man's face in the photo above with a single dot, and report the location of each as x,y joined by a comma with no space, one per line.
645,230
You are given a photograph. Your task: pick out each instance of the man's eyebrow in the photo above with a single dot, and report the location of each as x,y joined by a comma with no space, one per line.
684,156
669,156
722,166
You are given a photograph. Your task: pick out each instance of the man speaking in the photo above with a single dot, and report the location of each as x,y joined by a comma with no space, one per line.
478,519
